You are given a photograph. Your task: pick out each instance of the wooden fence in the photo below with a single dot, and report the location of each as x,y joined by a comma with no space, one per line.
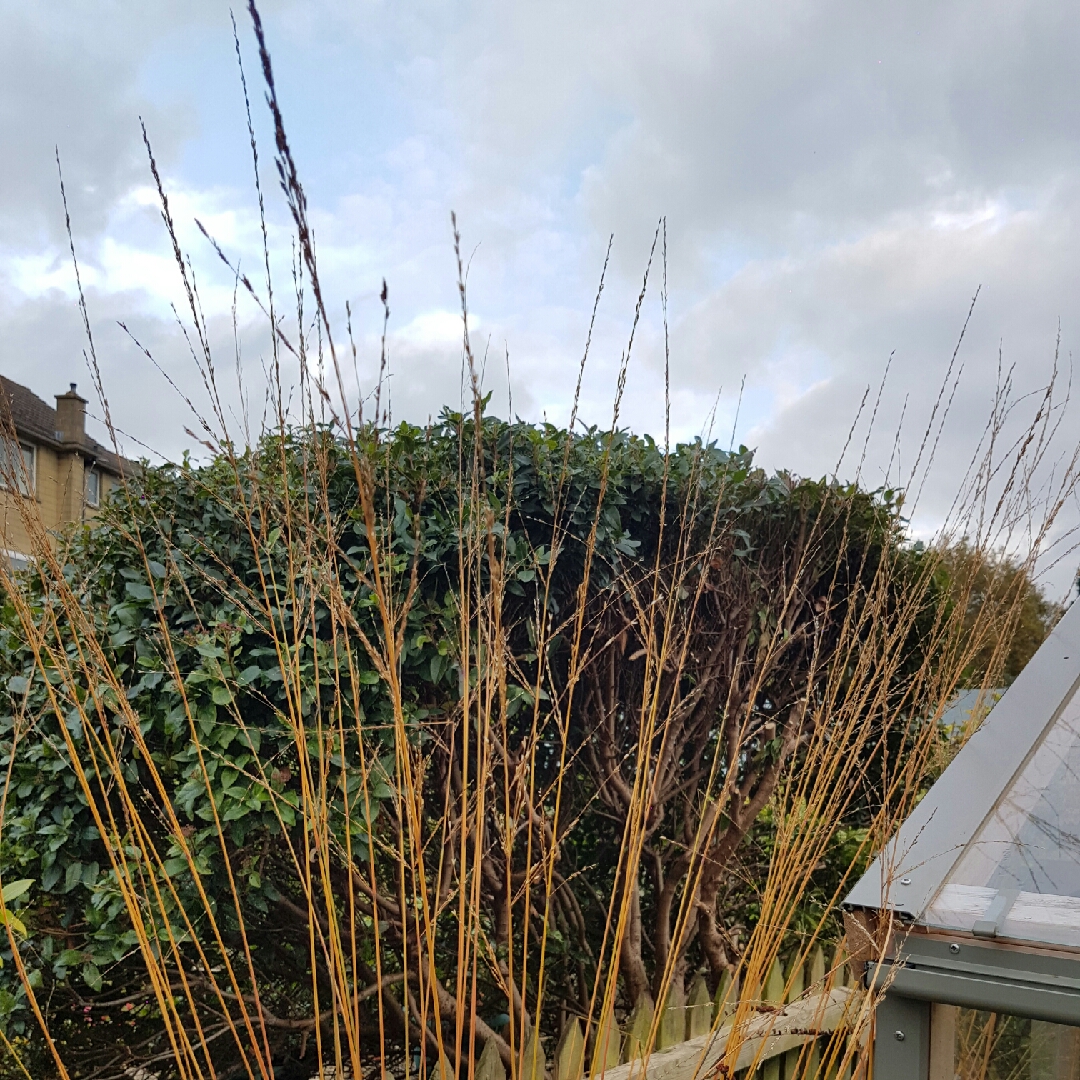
803,1027
800,1027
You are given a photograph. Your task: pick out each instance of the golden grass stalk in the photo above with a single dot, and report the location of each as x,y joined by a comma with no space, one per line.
428,878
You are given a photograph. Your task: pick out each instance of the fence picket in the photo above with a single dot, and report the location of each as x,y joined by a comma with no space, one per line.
606,1048
797,984
816,979
570,1053
442,1070
797,980
490,1066
672,1028
773,992
533,1062
727,996
699,1009
841,967
840,975
637,1030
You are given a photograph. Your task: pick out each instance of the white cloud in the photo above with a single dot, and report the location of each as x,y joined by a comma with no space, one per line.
434,328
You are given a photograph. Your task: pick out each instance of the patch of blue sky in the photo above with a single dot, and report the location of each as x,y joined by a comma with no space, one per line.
722,258
195,69
596,125
791,370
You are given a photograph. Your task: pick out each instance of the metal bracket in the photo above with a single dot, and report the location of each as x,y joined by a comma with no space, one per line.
991,923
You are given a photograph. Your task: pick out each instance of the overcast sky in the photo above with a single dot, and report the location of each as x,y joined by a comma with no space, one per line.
838,180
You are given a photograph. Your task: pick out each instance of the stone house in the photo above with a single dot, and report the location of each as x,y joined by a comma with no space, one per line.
46,455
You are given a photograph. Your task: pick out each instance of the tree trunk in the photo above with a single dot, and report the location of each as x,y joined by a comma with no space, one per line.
630,961
709,937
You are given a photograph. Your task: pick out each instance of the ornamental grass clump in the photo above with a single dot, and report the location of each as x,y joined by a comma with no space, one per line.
374,747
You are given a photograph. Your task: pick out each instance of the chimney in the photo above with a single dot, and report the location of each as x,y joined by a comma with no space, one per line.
71,417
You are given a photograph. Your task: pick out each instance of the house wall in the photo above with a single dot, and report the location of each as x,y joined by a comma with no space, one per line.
59,497
52,495
13,534
69,481
14,508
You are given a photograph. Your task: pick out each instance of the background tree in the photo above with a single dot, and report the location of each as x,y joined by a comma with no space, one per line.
977,581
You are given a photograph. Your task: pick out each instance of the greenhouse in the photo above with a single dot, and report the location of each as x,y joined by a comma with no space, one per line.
969,920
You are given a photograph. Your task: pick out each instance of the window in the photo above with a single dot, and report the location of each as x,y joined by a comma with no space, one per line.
17,468
93,487
16,560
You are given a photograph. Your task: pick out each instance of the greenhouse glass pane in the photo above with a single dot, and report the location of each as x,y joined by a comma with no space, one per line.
993,1046
1019,876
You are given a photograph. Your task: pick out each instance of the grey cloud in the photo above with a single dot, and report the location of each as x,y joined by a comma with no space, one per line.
757,128
150,406
152,403
826,324
423,379
906,289
73,77
69,78
790,126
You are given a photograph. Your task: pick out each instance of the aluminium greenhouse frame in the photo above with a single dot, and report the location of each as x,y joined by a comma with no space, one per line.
928,934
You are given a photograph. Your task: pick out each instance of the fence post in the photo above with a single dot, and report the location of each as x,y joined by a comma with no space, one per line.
606,1048
637,1030
490,1066
570,1053
797,979
698,1008
840,975
815,978
673,1020
773,992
